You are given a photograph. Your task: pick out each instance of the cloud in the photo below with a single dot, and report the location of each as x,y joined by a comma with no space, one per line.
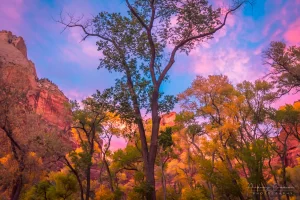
11,12
12,9
287,99
74,94
117,143
230,22
280,17
234,63
84,53
88,46
292,35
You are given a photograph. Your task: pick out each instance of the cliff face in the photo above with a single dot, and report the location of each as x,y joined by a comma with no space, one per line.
293,149
17,71
168,119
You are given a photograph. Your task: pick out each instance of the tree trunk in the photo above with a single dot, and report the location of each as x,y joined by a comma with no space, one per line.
109,174
210,187
163,181
17,188
153,145
151,195
88,183
229,165
80,187
16,191
284,173
77,177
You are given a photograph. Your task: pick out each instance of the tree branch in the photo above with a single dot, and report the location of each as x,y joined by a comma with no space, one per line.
183,42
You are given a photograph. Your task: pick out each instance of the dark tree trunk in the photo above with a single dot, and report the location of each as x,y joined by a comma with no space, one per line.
163,181
16,191
20,158
77,177
88,183
88,170
17,188
284,179
229,165
109,174
153,144
80,187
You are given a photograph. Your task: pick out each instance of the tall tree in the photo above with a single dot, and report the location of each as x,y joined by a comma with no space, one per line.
255,129
289,119
87,126
213,99
93,127
285,66
142,46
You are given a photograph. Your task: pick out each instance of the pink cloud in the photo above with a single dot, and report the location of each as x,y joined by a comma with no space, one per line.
292,35
11,11
118,143
234,63
281,15
287,99
231,21
74,94
83,53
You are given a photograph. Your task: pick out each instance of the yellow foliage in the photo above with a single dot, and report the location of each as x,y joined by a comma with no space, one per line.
4,159
32,154
208,109
79,150
245,187
297,105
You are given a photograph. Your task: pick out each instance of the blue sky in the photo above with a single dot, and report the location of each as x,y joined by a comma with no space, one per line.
72,65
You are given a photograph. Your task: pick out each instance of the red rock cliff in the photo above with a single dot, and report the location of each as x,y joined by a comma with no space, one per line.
44,96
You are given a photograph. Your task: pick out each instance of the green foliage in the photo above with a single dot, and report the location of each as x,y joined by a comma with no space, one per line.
62,187
65,186
165,138
127,48
81,160
126,158
193,194
288,115
254,155
143,189
183,119
285,66
171,194
118,194
104,193
258,98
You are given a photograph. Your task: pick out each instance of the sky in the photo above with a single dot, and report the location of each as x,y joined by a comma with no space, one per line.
235,51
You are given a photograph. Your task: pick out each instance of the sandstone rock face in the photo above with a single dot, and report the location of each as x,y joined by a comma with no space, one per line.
293,149
43,95
17,42
168,119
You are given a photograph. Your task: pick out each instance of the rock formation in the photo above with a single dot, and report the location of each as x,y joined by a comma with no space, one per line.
17,71
168,119
293,149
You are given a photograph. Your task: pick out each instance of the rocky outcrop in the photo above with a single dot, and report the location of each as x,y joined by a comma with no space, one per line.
168,119
43,95
292,146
